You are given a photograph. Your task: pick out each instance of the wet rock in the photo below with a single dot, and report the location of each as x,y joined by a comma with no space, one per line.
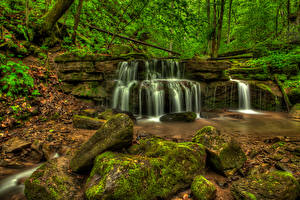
203,189
15,144
224,153
89,112
115,134
235,116
277,185
85,122
295,112
179,117
155,169
52,181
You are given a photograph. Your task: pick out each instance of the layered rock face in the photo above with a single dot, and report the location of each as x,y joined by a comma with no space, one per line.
88,77
94,78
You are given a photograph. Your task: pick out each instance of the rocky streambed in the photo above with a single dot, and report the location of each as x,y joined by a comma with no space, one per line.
204,159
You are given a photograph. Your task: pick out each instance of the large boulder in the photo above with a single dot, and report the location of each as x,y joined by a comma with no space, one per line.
115,134
277,185
15,144
52,181
85,122
158,170
295,112
202,189
179,117
224,153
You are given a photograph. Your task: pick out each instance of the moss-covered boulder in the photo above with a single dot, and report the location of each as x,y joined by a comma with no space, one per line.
179,117
158,170
295,112
52,181
115,134
202,189
224,153
85,122
277,185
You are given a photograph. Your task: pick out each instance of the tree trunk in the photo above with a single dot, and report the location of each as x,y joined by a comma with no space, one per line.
48,21
213,34
288,14
76,20
229,21
27,14
220,25
208,25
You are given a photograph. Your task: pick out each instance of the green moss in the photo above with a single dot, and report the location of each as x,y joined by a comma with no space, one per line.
200,135
106,115
265,87
202,189
249,195
270,185
159,169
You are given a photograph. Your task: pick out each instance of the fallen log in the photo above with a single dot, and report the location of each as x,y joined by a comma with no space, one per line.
132,40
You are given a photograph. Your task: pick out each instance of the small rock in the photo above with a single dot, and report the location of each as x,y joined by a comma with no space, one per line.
15,144
202,189
179,117
87,122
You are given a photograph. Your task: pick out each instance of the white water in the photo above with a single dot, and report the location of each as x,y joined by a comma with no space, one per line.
162,91
244,98
9,185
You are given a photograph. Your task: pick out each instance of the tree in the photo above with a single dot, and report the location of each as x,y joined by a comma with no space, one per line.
47,22
76,20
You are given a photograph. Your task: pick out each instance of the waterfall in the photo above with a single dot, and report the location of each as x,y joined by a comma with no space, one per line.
126,80
244,97
161,88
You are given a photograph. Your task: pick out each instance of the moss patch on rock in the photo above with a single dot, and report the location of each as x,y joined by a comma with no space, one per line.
115,134
155,169
278,185
53,182
224,153
106,115
202,189
85,122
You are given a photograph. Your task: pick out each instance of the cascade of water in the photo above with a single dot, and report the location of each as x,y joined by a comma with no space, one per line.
162,91
126,80
244,97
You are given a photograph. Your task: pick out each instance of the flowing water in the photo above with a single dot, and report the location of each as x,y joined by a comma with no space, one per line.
12,185
160,88
244,97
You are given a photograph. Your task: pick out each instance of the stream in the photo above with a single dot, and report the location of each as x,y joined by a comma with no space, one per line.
13,185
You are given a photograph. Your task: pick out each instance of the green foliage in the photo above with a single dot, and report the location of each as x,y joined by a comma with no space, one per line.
278,63
15,80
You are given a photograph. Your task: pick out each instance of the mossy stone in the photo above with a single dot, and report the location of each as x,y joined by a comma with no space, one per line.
277,185
85,122
52,181
107,114
155,169
224,153
202,189
115,134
